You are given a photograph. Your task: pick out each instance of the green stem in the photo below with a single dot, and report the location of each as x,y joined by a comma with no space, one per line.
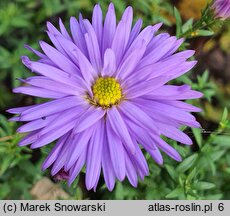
204,22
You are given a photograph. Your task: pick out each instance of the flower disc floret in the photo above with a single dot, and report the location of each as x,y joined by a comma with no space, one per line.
106,91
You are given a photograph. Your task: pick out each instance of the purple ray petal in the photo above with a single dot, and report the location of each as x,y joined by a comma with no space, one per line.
157,109
78,36
53,135
56,43
119,127
167,148
184,54
138,116
145,87
135,31
97,23
46,83
52,29
30,138
107,165
77,167
187,67
52,33
130,63
79,144
38,92
109,67
86,69
116,151
47,61
144,37
93,46
184,106
14,119
81,23
54,152
155,70
36,124
170,92
174,133
159,51
122,33
54,73
109,28
94,156
61,158
49,108
69,47
130,171
156,155
63,118
140,134
174,48
19,110
90,117
139,161
63,30
156,41
39,54
59,59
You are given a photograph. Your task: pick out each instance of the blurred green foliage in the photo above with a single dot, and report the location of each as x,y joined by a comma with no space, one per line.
17,173
205,170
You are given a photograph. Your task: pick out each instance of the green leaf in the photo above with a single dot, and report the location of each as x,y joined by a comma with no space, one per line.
192,175
185,79
2,149
175,193
171,171
204,185
198,137
119,192
222,140
178,22
187,25
204,33
205,76
20,22
225,115
5,190
187,163
208,93
214,197
217,154
5,164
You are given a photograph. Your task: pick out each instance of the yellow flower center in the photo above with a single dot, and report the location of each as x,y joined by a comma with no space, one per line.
106,92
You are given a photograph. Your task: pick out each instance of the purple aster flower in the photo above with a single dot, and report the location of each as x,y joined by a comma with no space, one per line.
222,8
109,98
61,175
